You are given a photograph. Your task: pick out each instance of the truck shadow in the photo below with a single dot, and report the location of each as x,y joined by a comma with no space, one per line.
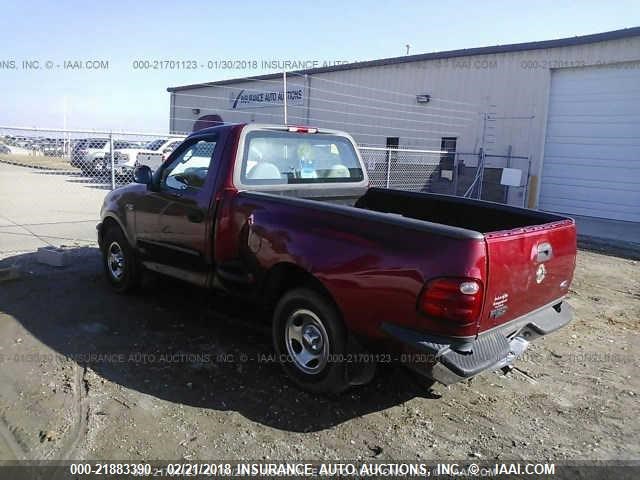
179,344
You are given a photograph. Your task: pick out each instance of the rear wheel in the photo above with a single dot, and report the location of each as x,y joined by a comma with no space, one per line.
119,261
311,341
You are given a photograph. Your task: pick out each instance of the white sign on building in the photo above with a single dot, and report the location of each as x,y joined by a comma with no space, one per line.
266,98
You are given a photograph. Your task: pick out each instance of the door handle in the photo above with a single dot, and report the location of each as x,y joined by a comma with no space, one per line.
544,252
195,216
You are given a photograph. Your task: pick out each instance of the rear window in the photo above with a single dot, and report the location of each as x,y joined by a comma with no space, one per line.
272,158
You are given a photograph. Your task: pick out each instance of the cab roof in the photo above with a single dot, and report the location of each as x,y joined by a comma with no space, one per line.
267,126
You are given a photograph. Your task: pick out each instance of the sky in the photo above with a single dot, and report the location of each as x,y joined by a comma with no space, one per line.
51,92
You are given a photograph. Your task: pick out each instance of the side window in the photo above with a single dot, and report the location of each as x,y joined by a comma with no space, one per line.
189,169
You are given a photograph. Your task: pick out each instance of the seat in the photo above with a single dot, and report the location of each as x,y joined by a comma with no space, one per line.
264,171
338,171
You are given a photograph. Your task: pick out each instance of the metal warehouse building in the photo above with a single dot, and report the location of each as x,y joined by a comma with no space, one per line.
569,107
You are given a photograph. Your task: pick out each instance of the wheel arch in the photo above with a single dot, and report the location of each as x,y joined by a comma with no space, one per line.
111,220
285,276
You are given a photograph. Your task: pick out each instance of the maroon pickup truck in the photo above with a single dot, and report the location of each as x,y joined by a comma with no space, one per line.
284,216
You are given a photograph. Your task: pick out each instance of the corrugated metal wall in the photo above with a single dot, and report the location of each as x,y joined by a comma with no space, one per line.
379,102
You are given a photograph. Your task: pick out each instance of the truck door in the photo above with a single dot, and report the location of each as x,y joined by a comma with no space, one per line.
172,220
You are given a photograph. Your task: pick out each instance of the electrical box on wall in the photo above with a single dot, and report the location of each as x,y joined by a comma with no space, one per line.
511,177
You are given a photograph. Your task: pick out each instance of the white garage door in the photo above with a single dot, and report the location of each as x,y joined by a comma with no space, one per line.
592,147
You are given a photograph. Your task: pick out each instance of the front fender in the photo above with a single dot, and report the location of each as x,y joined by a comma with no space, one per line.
117,208
111,217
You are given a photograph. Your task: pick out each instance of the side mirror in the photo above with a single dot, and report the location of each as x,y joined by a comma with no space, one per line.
142,174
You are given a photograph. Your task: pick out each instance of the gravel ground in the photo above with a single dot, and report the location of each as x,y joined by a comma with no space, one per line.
165,385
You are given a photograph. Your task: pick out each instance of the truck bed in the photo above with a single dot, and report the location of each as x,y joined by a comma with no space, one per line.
530,255
483,217
524,258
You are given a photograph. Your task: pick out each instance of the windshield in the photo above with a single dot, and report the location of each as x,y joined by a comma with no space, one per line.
156,144
288,158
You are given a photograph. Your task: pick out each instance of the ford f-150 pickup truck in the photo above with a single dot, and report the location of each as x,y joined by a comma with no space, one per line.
351,275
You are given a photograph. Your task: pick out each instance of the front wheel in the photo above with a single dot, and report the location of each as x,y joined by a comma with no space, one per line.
119,261
310,341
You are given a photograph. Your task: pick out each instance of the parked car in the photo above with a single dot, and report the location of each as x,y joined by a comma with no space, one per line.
284,216
87,152
16,150
23,142
52,147
125,160
93,156
152,154
157,152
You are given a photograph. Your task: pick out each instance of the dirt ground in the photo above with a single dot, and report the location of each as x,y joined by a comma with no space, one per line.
171,373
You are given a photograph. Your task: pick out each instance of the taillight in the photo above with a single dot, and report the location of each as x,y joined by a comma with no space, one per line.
456,299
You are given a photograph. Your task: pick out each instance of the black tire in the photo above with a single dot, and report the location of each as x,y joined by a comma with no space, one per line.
123,277
308,307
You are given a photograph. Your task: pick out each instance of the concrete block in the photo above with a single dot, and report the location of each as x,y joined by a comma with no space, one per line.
53,256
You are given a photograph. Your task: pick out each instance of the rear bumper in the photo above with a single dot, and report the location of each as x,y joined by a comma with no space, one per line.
436,358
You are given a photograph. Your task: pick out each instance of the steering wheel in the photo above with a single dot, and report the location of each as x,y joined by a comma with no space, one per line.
183,179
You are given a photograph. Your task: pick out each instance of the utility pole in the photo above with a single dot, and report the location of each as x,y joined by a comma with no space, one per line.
482,155
284,100
113,162
65,135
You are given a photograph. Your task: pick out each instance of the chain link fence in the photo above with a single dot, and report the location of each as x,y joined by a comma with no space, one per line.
92,157
53,182
401,168
497,178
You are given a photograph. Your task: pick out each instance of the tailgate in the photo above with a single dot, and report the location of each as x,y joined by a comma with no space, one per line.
527,268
